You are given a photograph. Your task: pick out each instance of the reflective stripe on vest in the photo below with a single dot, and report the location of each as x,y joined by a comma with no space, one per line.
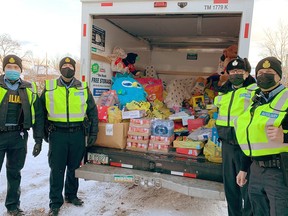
32,95
253,129
2,94
56,102
232,104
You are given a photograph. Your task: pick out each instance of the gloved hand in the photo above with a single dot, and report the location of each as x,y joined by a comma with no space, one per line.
91,140
37,149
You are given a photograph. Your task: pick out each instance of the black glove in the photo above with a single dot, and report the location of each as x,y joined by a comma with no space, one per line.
37,149
91,140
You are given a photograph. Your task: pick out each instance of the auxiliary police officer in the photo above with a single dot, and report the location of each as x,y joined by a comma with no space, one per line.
68,102
234,99
262,134
20,110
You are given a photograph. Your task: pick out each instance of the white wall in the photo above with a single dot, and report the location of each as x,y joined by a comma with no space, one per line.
176,61
118,37
162,60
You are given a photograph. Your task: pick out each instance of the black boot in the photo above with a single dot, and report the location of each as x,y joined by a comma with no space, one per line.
15,212
75,201
53,211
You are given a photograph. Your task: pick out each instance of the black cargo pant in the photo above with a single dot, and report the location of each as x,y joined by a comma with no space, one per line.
235,195
15,147
267,191
66,149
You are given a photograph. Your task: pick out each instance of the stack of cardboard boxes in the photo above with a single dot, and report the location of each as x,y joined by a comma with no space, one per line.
138,134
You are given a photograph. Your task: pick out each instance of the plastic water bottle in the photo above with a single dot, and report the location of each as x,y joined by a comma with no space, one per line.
163,128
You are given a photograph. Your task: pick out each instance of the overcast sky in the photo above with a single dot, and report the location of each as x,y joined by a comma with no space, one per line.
267,15
54,26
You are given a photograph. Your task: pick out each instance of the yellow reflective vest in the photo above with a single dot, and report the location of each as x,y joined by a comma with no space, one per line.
233,103
251,128
65,105
32,95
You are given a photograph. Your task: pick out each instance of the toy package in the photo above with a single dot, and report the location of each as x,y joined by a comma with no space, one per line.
153,87
122,62
114,115
108,98
177,91
128,89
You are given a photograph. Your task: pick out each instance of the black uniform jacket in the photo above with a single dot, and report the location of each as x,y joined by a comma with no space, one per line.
38,127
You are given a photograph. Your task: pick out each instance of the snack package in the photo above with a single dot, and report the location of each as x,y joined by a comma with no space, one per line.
114,115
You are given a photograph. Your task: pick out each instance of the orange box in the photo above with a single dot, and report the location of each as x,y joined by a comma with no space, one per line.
158,147
188,151
134,146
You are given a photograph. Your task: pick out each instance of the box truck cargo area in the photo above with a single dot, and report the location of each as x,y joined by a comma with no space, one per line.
179,39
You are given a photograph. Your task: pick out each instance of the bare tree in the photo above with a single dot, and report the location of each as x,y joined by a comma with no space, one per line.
9,46
54,63
39,70
276,44
35,69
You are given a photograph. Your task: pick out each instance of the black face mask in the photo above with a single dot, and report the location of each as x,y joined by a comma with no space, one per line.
236,79
67,72
266,81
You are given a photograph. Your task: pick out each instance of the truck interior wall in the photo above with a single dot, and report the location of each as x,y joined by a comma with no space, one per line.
115,36
173,61
176,61
167,78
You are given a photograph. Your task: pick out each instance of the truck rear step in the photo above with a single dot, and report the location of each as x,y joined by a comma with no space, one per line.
189,186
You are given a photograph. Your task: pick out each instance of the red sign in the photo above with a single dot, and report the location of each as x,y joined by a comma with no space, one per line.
246,31
84,30
106,4
160,4
221,1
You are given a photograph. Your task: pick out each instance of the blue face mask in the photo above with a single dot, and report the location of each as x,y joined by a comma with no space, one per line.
12,75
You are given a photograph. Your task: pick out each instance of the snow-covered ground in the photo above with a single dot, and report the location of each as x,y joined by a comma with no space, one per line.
105,199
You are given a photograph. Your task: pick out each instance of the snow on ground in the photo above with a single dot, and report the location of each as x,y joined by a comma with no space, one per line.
103,199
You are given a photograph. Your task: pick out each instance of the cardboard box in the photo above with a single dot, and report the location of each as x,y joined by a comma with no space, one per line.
161,138
189,151
188,144
135,146
112,135
133,114
167,142
137,141
156,147
145,122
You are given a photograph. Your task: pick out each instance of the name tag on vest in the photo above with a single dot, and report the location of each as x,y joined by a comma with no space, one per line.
270,115
245,95
79,94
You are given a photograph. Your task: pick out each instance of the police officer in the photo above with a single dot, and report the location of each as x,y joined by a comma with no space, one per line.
234,99
20,110
68,102
262,134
